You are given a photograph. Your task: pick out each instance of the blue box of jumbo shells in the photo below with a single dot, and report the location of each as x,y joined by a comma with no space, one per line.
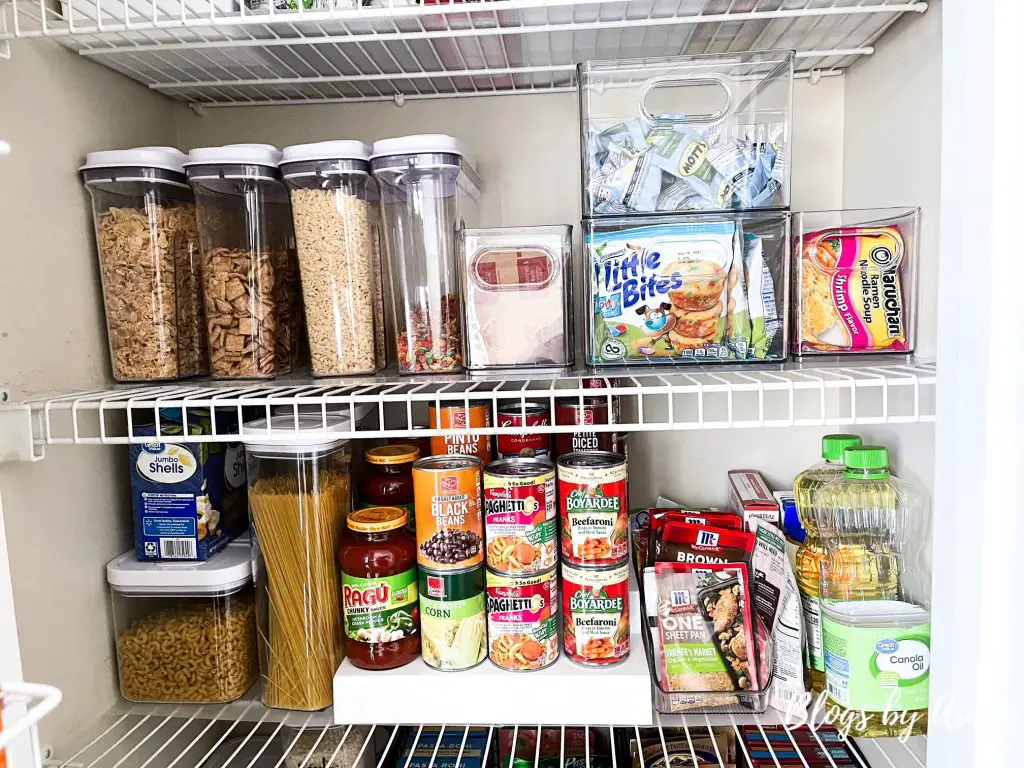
188,499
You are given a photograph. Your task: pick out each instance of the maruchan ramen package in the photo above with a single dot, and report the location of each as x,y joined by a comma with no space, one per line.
851,291
683,290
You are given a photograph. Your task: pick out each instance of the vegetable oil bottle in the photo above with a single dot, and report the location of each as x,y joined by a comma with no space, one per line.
876,624
809,554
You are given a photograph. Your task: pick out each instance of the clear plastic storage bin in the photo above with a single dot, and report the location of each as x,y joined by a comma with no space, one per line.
185,632
337,232
686,289
517,289
300,494
145,220
686,133
428,192
250,275
855,281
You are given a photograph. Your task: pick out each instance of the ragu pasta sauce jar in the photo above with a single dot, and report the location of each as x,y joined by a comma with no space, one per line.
593,410
524,445
594,508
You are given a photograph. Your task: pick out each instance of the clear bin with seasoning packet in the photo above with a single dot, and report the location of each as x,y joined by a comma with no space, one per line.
686,133
855,281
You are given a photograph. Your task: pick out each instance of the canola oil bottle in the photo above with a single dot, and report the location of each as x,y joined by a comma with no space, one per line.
874,591
809,553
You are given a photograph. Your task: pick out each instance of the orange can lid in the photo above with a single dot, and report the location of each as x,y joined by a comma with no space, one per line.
377,519
392,454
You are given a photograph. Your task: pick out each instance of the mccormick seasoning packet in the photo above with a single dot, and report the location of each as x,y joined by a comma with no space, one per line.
646,524
750,497
702,544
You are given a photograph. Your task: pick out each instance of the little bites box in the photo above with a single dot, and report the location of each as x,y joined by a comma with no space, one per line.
750,496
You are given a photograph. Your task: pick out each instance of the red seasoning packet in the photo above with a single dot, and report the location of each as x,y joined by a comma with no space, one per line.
702,544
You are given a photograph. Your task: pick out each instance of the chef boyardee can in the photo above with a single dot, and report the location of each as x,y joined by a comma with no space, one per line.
595,614
453,618
520,516
594,508
522,620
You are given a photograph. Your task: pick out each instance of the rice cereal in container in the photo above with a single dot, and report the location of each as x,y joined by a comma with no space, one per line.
520,516
595,614
594,508
522,620
449,520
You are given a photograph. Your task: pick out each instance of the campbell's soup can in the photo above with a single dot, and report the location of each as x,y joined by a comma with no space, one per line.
595,614
594,508
522,620
520,516
524,445
457,416
449,515
592,410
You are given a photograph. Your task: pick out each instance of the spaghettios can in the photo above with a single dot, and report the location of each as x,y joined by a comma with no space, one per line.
449,520
520,516
592,410
522,620
594,506
453,618
456,416
595,614
524,445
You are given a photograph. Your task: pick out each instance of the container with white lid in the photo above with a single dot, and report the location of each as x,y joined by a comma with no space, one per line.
145,222
337,230
299,498
185,632
250,275
429,192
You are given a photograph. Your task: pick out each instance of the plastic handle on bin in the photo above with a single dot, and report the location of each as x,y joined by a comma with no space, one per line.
678,81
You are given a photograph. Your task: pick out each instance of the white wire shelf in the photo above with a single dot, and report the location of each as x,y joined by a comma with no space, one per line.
22,706
223,53
246,735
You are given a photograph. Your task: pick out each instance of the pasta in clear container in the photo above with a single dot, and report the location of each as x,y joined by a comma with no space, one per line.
299,498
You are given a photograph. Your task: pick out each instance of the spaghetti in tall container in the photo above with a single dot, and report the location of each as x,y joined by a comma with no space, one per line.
299,499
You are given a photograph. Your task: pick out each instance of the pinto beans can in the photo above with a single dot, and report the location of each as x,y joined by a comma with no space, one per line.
522,620
524,445
594,508
449,520
595,614
457,416
520,516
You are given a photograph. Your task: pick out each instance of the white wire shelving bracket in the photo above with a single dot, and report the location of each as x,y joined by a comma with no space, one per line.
22,706
225,53
650,400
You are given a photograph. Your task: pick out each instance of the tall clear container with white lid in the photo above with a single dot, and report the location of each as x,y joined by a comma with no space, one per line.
429,191
184,632
337,232
300,494
145,222
250,275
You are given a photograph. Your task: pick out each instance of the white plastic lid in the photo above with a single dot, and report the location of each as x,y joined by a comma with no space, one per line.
362,410
327,150
418,144
226,572
235,154
876,613
164,158
281,437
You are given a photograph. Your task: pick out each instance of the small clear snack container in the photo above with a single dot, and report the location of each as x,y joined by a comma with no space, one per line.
686,289
250,275
300,495
337,234
517,278
429,191
185,632
855,281
686,133
145,222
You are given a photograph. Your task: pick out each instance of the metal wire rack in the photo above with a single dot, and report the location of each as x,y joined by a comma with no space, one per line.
236,52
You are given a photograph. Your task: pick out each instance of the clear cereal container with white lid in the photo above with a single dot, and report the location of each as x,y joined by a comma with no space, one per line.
144,216
185,632
686,133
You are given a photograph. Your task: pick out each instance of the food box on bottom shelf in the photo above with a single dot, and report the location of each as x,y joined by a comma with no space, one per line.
686,289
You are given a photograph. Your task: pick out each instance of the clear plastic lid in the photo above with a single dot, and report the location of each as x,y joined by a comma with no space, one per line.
226,572
261,155
343,149
294,435
163,158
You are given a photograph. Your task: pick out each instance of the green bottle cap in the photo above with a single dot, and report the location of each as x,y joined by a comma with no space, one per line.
832,446
871,459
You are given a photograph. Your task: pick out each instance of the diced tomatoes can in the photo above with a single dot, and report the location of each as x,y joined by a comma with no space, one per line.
585,413
594,508
522,620
449,513
525,444
595,614
520,516
458,416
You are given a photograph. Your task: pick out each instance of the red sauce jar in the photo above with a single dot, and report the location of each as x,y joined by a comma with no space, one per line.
379,597
387,481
